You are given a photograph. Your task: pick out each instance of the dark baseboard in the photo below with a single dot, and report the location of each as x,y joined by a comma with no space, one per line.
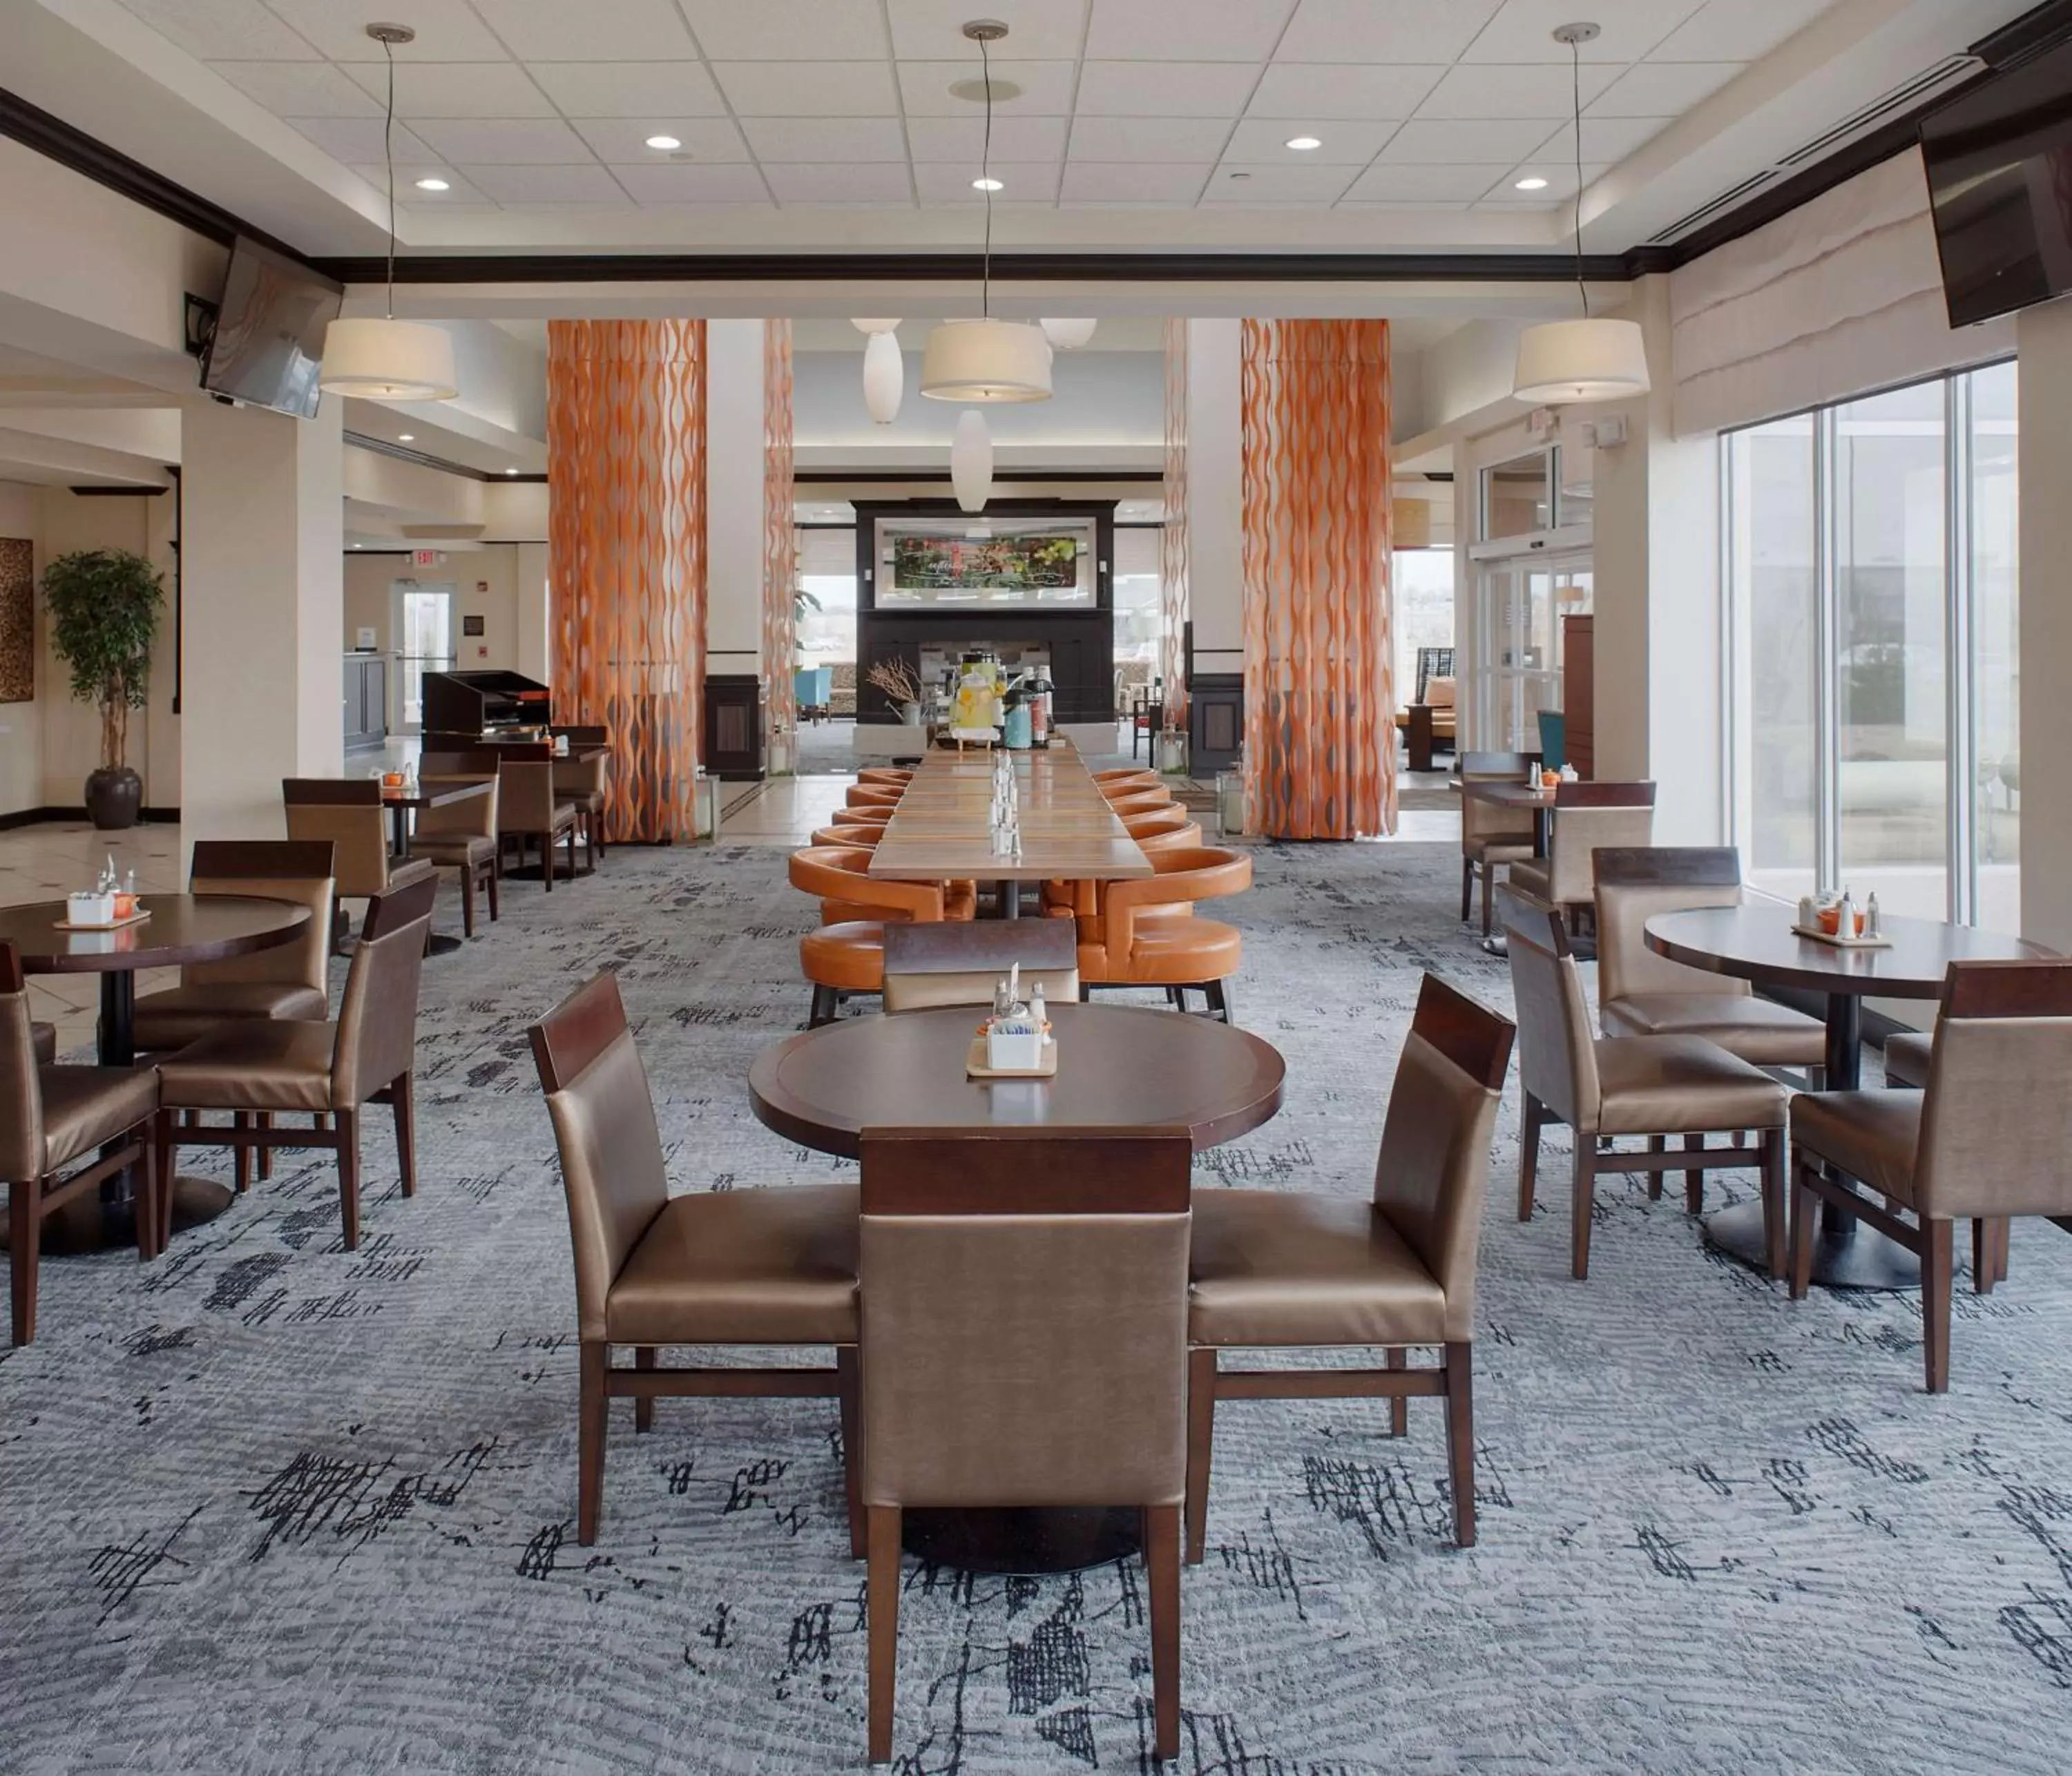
37,816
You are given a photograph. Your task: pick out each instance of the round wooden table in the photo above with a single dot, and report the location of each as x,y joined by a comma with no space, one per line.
183,928
1118,1068
1754,942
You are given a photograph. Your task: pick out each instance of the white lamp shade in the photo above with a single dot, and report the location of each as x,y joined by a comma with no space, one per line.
986,360
388,361
884,377
1069,335
874,328
1566,363
971,461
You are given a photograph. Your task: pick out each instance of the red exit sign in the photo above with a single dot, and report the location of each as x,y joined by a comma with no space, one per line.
427,557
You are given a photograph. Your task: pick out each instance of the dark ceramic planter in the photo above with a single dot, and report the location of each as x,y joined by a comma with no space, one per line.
113,797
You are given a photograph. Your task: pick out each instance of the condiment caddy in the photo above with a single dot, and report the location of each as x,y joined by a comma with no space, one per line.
1015,1042
107,907
1838,922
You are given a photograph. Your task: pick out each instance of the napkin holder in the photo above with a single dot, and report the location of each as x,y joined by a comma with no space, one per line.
90,908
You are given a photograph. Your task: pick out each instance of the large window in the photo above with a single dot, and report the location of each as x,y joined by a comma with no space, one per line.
1872,566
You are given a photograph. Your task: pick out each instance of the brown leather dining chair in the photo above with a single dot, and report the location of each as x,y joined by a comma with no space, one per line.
531,810
462,836
327,1071
52,1118
730,1267
1652,1086
1289,1268
348,812
1028,1349
929,966
1988,1137
1587,816
1491,835
586,783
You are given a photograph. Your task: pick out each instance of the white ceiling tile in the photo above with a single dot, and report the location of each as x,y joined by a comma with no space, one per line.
298,89
1737,30
1661,89
673,181
547,184
1130,182
226,29
1178,90
626,139
1515,90
1160,30
1518,205
1383,31
1361,92
1607,140
1045,89
1277,184
929,30
1391,184
352,139
1432,142
447,31
1195,141
808,89
630,89
566,31
1345,143
959,139
840,182
1523,30
825,138
1560,176
458,189
1026,182
504,141
756,30
456,89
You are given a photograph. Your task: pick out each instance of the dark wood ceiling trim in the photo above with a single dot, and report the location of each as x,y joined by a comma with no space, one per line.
1001,473
146,492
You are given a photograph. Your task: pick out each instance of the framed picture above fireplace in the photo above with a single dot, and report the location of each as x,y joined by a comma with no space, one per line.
1050,563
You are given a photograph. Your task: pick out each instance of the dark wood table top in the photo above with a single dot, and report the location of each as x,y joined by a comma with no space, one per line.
1755,942
1118,1068
1506,795
437,791
182,928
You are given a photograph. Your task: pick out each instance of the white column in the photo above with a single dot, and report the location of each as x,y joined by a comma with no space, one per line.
533,660
734,498
263,590
2045,342
1215,493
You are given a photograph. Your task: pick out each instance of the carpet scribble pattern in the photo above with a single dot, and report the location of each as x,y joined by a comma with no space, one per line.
272,1507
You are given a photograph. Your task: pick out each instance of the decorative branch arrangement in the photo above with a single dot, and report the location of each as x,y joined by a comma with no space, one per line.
897,680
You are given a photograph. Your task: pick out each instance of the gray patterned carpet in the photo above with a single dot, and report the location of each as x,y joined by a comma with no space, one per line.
268,1506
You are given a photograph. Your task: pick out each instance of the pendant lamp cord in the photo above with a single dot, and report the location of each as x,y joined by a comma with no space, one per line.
1576,63
388,158
985,184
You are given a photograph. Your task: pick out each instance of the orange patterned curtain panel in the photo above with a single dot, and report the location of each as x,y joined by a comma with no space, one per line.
1173,540
1319,708
626,443
780,536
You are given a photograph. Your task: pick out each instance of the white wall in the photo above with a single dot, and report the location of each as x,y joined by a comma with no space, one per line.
1215,493
2045,344
22,724
734,496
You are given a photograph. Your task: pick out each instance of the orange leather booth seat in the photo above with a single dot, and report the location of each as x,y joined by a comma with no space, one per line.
885,777
873,796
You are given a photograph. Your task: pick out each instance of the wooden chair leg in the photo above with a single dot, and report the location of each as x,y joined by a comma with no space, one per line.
1161,1563
2002,1241
1488,873
1532,1119
162,1139
1399,1409
468,900
572,851
1583,1200
348,1176
1460,1439
1805,1214
595,1359
1694,1182
25,1239
1773,1211
149,1216
643,1404
1201,1445
263,1156
850,1382
1467,889
1989,1252
1937,1259
241,1164
1656,1144
495,884
824,1009
546,859
884,1657
402,1096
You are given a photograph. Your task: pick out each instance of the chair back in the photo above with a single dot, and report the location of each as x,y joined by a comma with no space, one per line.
1479,819
853,838
346,813
1432,662
470,817
1206,872
1149,825
1186,836
885,795
1587,817
377,1020
928,966
578,778
21,1091
1023,1297
612,1168
1557,1055
1996,1118
1139,801
299,871
1433,1168
400,906
525,795
465,761
1553,739
842,874
1633,884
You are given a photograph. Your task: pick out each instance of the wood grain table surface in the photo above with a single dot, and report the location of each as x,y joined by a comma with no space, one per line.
939,830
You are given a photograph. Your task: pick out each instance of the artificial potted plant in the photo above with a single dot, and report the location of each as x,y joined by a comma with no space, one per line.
104,605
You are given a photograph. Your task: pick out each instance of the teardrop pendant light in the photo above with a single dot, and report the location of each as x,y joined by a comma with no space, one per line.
884,377
1570,363
1069,335
389,360
971,461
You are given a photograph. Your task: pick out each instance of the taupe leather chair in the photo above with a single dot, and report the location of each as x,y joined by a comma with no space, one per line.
530,808
1907,1055
774,1267
1642,993
290,980
1491,836
586,782
1288,1268
462,836
1651,1086
1587,816
349,813
1987,1138
328,1071
53,1117
936,964
1028,1350
44,1040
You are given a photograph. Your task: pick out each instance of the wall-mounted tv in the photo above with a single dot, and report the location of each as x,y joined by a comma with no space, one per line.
268,345
1999,173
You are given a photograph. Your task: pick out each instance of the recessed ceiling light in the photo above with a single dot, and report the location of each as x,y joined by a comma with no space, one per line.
1532,185
988,185
510,472
434,185
355,545
665,144
406,438
1303,144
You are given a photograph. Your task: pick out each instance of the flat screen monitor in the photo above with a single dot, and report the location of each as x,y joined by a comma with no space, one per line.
267,346
1999,175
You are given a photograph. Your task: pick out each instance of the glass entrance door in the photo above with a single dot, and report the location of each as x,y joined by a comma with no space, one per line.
424,638
1522,600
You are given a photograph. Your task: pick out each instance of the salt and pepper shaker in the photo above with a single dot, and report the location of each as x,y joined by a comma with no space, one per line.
1845,917
1809,913
1873,921
1037,1012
